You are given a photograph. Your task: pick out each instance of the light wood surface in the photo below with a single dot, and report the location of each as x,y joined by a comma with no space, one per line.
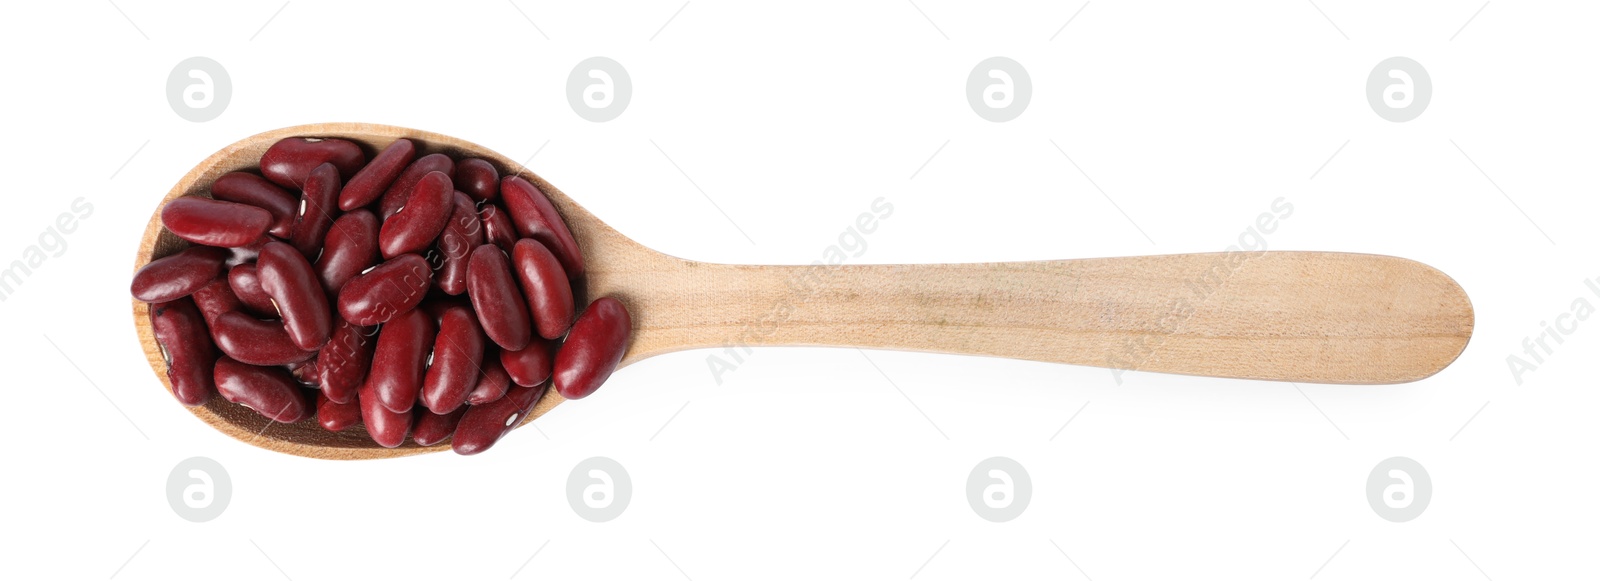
1320,317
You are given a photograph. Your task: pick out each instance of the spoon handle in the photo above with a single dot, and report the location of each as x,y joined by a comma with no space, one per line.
1320,317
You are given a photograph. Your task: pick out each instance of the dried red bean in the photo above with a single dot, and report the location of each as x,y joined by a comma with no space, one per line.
215,299
529,365
493,381
245,280
181,330
271,391
305,372
593,348
255,341
497,228
247,253
351,247
535,217
386,427
249,188
461,234
432,428
457,356
342,363
478,178
415,226
174,277
290,161
372,180
483,425
546,287
389,289
494,294
319,206
288,279
215,222
397,363
400,191
336,416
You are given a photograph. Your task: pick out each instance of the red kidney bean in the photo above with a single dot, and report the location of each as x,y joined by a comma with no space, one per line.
215,299
389,289
387,428
181,331
478,178
342,363
249,188
457,354
461,234
432,428
305,372
497,228
271,391
287,278
415,226
483,425
529,365
535,217
215,222
245,280
319,205
173,277
546,287
397,363
495,297
254,341
351,247
593,348
336,416
290,161
493,381
372,180
247,253
400,191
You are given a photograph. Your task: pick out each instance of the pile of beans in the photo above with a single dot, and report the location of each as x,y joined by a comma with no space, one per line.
423,296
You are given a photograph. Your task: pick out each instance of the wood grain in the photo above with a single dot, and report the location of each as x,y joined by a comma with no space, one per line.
1288,316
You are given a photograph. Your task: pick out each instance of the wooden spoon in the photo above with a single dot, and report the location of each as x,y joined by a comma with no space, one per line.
1320,317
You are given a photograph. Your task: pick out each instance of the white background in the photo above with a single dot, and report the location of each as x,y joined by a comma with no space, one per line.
1192,117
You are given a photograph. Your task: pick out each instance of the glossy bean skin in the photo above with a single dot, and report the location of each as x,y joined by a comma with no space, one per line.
215,222
594,347
387,428
288,279
493,381
248,188
245,280
418,223
399,192
319,206
485,424
255,341
336,416
500,306
535,217
497,227
396,286
370,182
342,364
215,299
545,285
457,357
179,275
181,330
478,179
305,372
350,247
398,361
431,428
529,365
270,391
461,235
289,162
247,253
